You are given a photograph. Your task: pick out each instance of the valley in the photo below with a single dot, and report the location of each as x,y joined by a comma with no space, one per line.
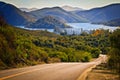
57,41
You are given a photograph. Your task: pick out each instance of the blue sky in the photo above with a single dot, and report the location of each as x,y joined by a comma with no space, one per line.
85,4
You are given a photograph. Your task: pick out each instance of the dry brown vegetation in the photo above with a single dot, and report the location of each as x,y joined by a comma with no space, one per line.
101,72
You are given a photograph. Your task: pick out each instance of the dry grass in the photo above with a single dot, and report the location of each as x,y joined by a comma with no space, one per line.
102,73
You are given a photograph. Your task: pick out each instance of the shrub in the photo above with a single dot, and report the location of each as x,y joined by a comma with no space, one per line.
95,52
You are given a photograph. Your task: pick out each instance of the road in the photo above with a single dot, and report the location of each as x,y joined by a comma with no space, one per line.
56,71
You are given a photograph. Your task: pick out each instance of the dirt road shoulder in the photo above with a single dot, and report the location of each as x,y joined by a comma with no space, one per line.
100,72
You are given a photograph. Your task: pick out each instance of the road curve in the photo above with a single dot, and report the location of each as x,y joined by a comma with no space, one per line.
57,71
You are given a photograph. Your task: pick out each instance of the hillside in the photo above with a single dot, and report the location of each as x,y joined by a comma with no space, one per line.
58,13
102,14
115,22
19,47
16,16
48,22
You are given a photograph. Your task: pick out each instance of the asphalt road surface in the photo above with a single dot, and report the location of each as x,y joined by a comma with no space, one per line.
56,71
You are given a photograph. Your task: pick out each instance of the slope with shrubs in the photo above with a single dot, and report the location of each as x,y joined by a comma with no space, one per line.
19,47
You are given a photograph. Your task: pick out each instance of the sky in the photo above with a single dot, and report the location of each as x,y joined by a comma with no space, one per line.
85,4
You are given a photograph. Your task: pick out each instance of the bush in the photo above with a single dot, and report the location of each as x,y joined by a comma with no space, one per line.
82,56
86,57
95,52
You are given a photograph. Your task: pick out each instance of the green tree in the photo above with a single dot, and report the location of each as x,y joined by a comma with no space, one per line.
114,55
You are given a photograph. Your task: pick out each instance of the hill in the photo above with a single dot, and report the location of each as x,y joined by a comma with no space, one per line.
13,15
18,46
58,13
48,22
102,14
115,22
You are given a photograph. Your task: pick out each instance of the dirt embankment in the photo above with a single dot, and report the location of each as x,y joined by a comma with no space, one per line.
101,72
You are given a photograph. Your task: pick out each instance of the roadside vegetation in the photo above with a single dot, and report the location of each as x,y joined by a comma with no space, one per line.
111,69
19,47
114,55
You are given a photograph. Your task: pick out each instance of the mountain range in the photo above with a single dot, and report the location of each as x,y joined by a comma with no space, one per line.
107,15
59,14
66,7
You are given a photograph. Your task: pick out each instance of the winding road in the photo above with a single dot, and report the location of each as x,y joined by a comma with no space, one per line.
56,71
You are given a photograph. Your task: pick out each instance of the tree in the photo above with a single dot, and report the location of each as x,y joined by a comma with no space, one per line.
114,55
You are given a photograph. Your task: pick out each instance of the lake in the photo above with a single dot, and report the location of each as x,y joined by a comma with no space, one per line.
87,27
77,28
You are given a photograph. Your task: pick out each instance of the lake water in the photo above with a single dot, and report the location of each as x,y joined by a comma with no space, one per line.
77,28
50,30
89,26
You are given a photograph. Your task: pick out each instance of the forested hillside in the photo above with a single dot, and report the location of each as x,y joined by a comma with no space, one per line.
19,47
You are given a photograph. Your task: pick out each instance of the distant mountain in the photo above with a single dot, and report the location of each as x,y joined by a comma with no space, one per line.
28,9
69,8
13,15
102,14
58,13
48,22
115,22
